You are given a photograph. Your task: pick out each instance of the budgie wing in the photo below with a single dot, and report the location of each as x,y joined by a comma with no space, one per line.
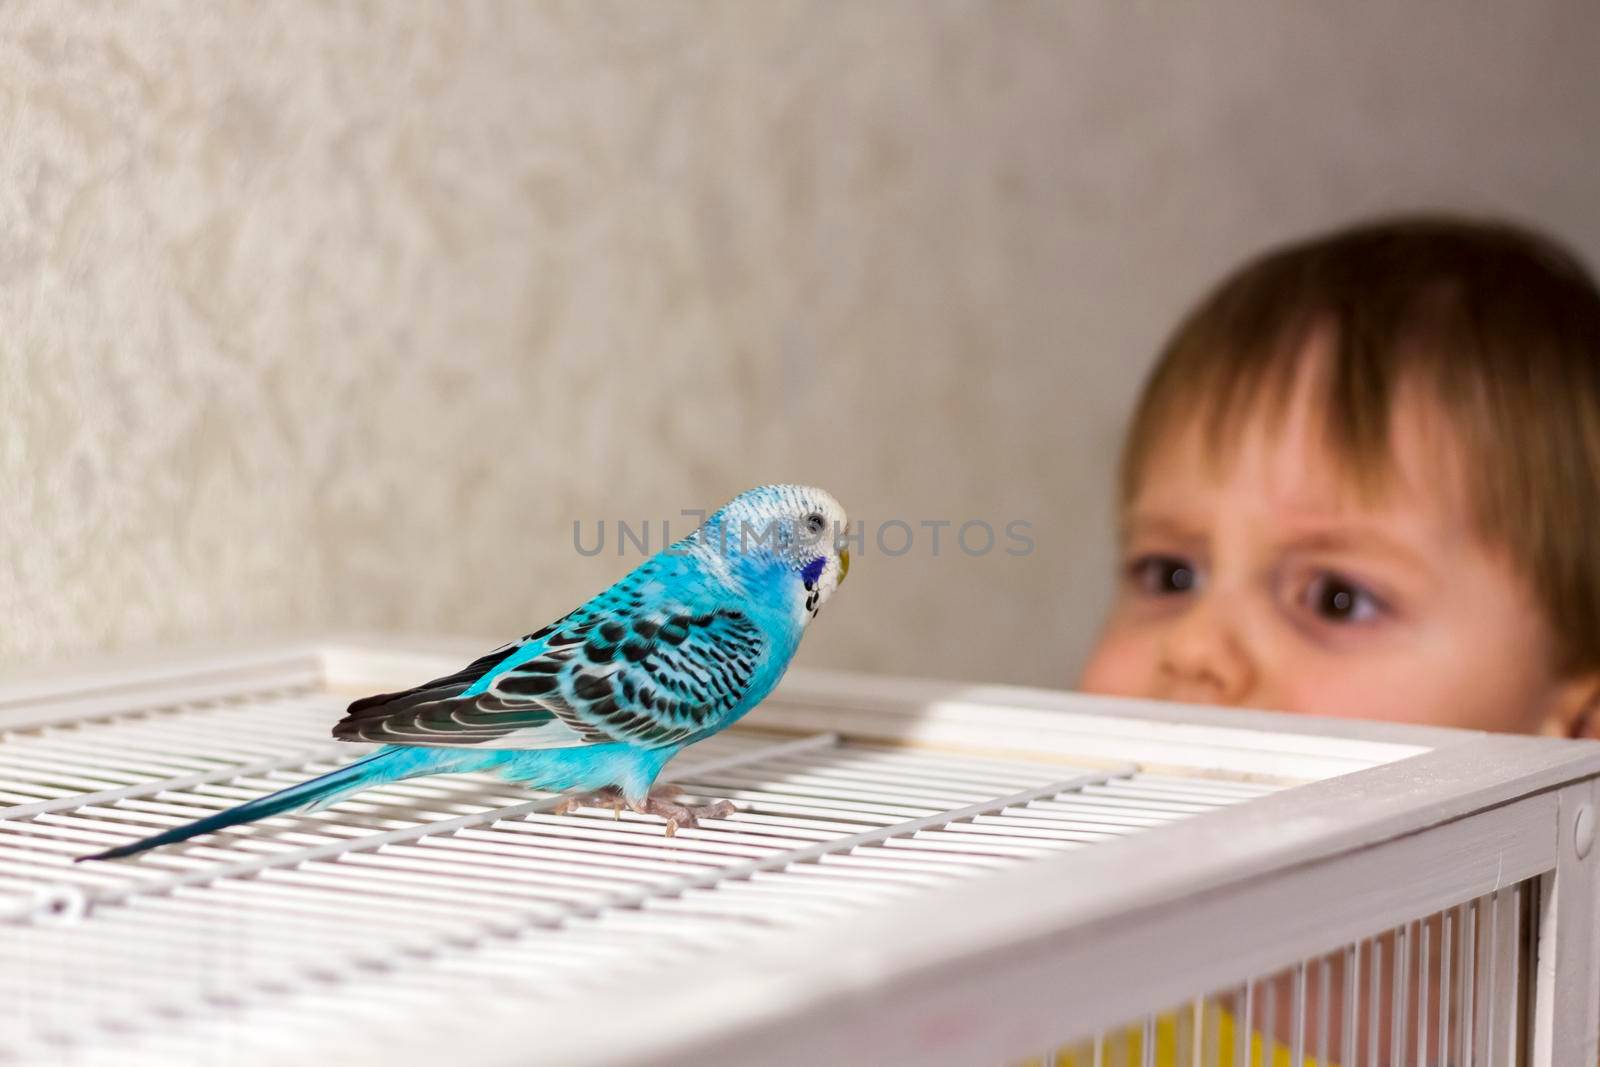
650,677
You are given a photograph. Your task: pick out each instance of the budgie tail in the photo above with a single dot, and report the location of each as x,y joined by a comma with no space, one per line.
316,793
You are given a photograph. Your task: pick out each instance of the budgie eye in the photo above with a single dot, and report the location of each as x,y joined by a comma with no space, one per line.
815,523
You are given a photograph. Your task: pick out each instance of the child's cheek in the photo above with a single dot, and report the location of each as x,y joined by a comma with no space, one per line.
1390,689
1122,664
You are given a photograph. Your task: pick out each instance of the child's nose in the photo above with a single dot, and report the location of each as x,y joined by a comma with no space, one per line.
1204,660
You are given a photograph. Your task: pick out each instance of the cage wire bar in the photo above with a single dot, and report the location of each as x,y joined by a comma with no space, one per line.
1403,998
917,873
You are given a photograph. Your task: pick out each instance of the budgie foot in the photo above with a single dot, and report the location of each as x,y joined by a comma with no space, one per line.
609,797
679,815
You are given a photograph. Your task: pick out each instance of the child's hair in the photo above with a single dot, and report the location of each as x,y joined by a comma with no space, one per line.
1496,326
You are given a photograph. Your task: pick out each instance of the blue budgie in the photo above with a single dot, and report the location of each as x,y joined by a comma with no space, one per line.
598,701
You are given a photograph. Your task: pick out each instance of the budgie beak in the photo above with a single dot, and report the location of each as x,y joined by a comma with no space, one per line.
844,564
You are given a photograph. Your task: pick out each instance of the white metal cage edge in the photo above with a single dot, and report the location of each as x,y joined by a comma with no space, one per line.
1323,833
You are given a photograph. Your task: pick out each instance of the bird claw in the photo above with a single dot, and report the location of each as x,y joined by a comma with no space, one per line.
609,797
678,815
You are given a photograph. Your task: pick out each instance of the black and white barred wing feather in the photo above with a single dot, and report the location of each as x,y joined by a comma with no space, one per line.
650,678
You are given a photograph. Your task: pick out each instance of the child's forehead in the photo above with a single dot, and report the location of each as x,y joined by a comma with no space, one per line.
1277,451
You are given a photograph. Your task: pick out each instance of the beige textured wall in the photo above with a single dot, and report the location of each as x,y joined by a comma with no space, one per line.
322,315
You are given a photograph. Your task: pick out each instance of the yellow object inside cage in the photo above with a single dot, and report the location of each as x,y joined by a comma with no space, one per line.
1175,1047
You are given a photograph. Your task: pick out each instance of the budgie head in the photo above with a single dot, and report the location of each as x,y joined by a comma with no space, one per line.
789,534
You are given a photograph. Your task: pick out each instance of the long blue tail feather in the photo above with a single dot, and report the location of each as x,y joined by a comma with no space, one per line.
316,792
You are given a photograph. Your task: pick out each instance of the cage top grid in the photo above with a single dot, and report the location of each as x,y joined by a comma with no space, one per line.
885,828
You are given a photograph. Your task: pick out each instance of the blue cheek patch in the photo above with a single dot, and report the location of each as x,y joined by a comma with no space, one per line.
813,570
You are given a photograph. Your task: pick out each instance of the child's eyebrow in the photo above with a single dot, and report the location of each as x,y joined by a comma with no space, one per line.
1160,525
1357,539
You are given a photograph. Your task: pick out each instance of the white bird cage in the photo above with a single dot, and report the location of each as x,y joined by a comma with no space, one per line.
917,873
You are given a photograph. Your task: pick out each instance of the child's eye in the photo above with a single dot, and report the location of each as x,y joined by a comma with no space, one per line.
1335,598
1158,575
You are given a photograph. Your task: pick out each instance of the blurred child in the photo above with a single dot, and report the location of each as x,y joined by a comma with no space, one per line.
1364,481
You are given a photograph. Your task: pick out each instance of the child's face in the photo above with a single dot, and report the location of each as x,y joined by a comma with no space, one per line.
1269,583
